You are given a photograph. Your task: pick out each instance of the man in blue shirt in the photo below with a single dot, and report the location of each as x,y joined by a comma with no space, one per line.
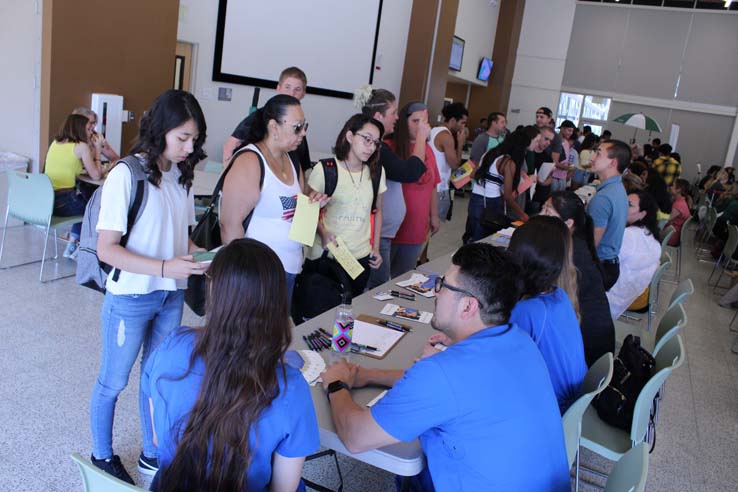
609,207
483,409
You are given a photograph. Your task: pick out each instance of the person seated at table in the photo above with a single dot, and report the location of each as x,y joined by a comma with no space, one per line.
99,143
483,409
639,255
228,413
277,129
70,155
349,214
598,330
421,200
541,247
679,209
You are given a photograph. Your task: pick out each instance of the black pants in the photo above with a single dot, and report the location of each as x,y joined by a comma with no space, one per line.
610,273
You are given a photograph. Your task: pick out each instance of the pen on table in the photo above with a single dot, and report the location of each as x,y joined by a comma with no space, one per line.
321,339
361,346
402,295
318,344
393,325
328,335
310,346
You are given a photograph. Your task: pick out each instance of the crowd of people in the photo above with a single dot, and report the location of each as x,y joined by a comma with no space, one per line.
218,407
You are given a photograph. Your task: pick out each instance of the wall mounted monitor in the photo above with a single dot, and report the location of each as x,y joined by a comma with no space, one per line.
457,54
485,69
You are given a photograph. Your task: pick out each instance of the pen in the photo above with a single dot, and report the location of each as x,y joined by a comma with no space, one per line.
310,346
402,295
318,345
364,347
321,339
394,326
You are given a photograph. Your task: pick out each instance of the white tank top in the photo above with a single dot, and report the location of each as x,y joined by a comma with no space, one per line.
444,170
493,181
273,214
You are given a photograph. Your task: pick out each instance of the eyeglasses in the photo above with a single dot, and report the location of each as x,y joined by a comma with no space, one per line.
369,140
298,127
441,283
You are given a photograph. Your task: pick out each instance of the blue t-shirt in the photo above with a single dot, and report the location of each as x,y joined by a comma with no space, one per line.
609,209
485,413
551,322
288,426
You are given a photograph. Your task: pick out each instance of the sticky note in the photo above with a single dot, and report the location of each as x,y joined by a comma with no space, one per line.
344,257
305,221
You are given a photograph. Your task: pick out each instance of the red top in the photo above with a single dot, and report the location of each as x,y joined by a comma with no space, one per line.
680,205
416,225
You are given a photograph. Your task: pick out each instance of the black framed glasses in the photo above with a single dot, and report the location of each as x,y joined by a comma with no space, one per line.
369,140
298,127
441,283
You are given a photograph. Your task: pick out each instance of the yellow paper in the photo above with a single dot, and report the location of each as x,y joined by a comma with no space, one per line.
344,257
305,221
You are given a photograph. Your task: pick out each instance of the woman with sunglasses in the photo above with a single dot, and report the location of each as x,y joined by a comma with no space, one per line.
542,248
421,199
349,213
277,129
228,413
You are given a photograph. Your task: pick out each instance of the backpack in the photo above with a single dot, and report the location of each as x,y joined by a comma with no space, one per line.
91,272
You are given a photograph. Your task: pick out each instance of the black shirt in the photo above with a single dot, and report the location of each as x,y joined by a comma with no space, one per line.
399,169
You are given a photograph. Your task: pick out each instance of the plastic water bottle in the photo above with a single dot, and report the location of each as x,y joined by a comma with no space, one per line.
343,328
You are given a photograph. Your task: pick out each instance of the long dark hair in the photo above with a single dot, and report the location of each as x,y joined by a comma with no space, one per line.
401,135
650,222
74,129
569,206
170,110
353,125
274,109
245,336
540,247
515,145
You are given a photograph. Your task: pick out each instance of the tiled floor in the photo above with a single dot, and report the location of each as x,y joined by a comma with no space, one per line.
50,349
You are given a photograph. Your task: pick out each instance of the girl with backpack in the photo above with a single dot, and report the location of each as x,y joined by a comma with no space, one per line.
145,297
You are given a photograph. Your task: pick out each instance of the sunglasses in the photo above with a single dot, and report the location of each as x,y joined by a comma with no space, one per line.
298,127
369,140
441,283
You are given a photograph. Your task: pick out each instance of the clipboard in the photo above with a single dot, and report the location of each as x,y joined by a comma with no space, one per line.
380,336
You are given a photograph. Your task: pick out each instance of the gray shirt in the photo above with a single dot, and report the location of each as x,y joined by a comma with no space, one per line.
393,209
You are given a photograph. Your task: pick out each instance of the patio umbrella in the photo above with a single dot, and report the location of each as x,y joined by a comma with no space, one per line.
639,120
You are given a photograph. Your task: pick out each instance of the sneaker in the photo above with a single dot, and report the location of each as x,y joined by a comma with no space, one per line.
113,466
148,466
71,250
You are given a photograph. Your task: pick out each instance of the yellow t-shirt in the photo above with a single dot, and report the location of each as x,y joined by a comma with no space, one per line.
62,166
349,211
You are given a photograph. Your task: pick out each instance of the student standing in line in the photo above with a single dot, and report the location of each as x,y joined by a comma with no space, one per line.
349,213
381,105
541,248
144,303
488,140
484,409
420,197
228,413
446,142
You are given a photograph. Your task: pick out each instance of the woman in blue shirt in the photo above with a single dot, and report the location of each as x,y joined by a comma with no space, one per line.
228,414
542,247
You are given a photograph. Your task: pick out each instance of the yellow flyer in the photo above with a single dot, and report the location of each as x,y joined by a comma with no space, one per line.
344,257
305,221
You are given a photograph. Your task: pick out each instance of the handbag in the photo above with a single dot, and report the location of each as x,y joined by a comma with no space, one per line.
320,286
631,371
494,220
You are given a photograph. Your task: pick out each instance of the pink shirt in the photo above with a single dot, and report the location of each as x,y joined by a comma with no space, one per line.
680,206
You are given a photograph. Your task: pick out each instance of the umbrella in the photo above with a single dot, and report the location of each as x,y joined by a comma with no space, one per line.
639,120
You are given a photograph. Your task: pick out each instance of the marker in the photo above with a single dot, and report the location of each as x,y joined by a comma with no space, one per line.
365,347
310,346
402,295
318,346
394,326
317,336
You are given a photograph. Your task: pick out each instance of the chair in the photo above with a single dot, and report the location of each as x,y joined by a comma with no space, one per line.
630,472
726,259
671,323
31,200
706,234
597,378
668,232
96,480
678,249
653,293
613,443
681,293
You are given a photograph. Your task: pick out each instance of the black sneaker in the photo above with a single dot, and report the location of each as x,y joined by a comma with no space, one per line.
113,466
148,466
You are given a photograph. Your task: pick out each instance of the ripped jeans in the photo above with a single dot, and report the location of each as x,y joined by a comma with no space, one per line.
129,322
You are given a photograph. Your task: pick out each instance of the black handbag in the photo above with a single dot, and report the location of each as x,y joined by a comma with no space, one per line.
493,220
631,371
321,286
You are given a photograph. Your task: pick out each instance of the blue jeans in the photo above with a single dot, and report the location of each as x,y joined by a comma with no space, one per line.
404,257
69,204
129,322
475,230
290,286
382,274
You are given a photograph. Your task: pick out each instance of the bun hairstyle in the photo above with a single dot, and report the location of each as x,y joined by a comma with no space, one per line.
370,101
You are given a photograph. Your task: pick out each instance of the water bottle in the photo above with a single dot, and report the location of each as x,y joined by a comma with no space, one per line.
343,328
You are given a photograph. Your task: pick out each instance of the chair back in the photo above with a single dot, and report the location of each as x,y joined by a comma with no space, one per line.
673,321
597,378
669,358
683,233
655,281
96,480
682,292
30,197
712,217
665,256
668,232
731,243
630,472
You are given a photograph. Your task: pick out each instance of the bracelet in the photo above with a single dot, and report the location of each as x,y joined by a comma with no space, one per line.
162,268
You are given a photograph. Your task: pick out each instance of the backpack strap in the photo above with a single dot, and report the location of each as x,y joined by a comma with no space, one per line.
221,181
375,188
140,193
330,175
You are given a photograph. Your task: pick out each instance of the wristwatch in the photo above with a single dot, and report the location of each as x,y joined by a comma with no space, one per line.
335,386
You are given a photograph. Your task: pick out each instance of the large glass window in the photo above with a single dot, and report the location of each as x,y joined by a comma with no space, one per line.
584,110
570,106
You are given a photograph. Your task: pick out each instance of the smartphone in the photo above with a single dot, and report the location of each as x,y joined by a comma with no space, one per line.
203,256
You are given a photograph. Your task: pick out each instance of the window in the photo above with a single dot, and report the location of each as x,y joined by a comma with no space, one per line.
584,110
570,106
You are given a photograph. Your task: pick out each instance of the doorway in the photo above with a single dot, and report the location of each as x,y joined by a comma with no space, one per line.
182,66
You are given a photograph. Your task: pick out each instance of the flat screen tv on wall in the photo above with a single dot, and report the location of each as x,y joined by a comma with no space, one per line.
457,54
485,69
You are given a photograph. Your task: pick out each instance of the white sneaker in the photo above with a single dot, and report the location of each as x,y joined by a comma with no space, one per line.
71,250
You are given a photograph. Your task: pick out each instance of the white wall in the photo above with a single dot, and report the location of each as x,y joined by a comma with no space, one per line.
541,57
20,62
326,114
476,24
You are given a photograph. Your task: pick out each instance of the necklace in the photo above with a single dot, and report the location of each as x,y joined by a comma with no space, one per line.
280,161
361,176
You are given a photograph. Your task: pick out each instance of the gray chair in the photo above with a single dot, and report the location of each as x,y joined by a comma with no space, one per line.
682,292
678,249
653,294
726,259
672,322
630,472
96,480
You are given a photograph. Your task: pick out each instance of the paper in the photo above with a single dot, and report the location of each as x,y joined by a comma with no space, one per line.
305,221
383,339
313,365
463,174
506,232
376,399
544,171
383,296
344,258
411,314
420,284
